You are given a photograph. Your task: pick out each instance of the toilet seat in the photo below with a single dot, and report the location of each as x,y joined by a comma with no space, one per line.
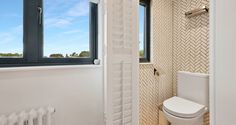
183,108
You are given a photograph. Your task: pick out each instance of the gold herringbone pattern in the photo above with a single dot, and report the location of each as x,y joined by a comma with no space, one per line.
148,96
179,43
153,89
190,40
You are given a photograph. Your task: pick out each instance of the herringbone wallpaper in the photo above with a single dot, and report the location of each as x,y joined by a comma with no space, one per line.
179,43
190,40
155,89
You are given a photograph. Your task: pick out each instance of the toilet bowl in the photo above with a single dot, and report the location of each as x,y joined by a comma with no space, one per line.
191,102
179,111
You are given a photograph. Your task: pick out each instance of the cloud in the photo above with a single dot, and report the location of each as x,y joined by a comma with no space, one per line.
79,9
57,22
11,35
6,38
72,32
62,22
141,36
67,14
18,29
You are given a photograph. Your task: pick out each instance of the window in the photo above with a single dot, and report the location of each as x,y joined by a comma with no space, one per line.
144,31
11,29
51,32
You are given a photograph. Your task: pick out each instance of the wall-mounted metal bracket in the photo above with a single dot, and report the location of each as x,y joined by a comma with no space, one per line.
197,12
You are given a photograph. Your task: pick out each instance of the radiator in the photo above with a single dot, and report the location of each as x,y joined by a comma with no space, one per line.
41,116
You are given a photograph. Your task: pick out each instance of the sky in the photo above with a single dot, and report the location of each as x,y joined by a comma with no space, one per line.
141,27
66,26
11,21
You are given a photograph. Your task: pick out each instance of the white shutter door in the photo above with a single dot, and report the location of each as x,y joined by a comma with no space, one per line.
121,62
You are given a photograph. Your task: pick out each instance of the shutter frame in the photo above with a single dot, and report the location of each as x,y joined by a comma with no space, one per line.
121,71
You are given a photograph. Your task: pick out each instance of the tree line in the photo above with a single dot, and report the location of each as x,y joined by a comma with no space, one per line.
11,55
55,55
58,55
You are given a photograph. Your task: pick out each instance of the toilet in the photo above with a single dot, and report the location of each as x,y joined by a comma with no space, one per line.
191,102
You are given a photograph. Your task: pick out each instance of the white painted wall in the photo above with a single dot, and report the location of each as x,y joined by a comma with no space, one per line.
75,91
224,32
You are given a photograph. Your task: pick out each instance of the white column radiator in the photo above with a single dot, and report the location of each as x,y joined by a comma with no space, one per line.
41,116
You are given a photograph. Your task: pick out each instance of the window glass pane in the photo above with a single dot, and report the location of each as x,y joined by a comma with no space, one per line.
141,31
11,29
66,29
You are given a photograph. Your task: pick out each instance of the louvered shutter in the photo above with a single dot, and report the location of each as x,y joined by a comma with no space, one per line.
121,62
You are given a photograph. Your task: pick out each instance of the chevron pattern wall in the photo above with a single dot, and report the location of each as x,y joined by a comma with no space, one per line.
154,89
190,40
148,96
179,43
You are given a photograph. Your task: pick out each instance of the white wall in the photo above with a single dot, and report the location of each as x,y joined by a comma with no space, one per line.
76,92
224,31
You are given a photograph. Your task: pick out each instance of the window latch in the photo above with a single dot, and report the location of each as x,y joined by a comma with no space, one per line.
40,14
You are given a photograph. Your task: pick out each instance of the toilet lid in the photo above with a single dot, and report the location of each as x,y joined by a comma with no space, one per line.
183,108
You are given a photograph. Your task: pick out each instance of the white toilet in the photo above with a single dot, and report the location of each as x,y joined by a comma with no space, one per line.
191,102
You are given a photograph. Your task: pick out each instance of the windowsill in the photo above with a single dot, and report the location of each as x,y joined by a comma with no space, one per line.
39,68
146,63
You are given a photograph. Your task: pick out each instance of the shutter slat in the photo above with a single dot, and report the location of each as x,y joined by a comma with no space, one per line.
122,62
